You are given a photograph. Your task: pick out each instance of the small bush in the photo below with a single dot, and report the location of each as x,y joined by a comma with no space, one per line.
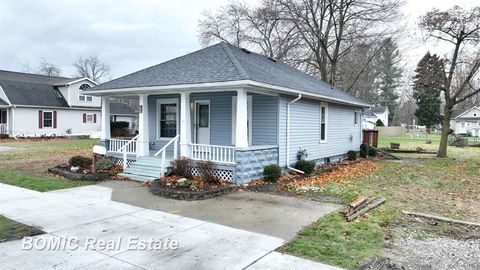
272,172
80,161
207,170
186,184
372,152
308,167
105,164
181,167
352,155
364,150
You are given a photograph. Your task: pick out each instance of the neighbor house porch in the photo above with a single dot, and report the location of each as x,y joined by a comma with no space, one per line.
4,127
236,129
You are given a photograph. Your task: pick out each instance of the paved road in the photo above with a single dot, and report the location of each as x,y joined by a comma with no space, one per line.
81,215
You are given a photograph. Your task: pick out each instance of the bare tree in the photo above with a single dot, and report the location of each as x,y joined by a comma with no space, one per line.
460,28
91,67
259,28
48,69
330,28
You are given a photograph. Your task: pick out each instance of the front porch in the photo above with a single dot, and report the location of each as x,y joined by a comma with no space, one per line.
4,129
237,130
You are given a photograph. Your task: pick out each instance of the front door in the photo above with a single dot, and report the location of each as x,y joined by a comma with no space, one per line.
202,122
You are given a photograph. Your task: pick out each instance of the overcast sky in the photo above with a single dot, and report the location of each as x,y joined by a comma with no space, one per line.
131,35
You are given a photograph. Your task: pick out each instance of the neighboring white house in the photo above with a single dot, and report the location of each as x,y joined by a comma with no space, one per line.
371,117
466,122
34,105
122,112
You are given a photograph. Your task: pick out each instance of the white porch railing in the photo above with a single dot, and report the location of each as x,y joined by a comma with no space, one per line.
163,151
216,153
124,146
118,146
3,128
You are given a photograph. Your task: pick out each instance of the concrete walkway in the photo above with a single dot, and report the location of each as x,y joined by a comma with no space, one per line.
273,215
74,218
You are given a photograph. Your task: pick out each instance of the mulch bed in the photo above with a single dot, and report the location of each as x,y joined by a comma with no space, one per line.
289,184
84,174
200,189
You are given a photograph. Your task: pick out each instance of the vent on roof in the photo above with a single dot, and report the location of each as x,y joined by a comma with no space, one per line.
245,50
271,59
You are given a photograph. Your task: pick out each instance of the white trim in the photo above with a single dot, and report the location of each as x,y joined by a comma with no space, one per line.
203,101
250,117
167,101
43,119
78,80
96,108
224,86
325,105
475,107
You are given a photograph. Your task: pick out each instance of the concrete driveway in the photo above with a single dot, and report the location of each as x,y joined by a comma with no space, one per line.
274,215
77,220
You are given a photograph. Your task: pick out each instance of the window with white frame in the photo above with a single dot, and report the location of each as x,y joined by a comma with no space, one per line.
47,119
167,113
83,97
323,122
89,118
355,118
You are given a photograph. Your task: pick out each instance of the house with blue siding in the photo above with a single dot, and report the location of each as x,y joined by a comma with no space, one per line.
241,110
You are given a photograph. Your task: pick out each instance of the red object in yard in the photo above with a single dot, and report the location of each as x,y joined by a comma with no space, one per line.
370,137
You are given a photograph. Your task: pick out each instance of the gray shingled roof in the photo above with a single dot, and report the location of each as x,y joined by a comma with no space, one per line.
33,89
121,109
377,109
221,63
456,112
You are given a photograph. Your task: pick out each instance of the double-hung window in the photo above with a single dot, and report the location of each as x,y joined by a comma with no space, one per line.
323,122
167,112
355,118
47,119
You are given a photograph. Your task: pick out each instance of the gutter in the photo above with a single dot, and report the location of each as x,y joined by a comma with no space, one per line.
288,134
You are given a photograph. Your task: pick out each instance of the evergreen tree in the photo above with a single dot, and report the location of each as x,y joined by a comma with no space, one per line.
390,76
427,83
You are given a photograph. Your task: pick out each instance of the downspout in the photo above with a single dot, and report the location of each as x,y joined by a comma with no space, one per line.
288,134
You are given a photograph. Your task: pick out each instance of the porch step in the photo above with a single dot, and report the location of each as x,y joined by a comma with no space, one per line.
145,169
137,177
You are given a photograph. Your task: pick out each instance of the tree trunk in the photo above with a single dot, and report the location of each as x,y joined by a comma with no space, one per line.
442,149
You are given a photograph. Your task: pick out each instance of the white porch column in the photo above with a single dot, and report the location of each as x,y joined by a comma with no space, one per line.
105,135
241,130
185,124
143,148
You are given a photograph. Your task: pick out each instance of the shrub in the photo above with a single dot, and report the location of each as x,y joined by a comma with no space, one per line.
364,150
372,152
352,155
80,161
308,167
105,164
185,184
119,128
181,167
272,172
207,170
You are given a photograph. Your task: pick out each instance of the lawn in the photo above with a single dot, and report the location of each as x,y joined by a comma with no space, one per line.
12,230
27,167
422,183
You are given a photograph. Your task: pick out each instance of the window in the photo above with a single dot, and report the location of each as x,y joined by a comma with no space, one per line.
355,118
323,122
462,124
48,119
167,112
89,118
83,97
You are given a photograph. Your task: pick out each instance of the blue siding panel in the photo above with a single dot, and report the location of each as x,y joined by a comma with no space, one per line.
305,130
264,120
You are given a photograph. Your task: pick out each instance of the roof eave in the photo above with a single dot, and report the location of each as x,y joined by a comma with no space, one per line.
214,87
